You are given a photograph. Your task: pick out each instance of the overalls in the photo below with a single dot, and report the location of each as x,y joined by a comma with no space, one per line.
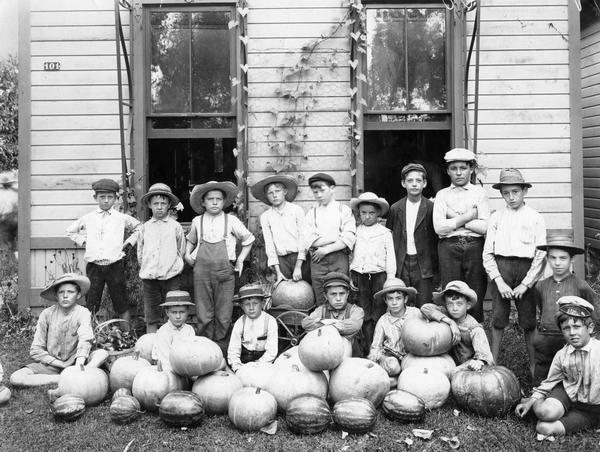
246,355
214,285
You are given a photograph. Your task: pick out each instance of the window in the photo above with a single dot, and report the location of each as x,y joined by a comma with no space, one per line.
408,113
190,104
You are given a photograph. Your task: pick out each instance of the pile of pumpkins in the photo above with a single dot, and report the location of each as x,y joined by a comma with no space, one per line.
313,384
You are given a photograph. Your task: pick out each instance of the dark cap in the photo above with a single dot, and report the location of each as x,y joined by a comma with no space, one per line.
107,185
335,279
321,177
413,167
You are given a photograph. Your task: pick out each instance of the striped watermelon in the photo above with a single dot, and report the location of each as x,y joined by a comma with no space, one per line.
68,407
403,406
307,415
124,409
120,393
181,409
355,415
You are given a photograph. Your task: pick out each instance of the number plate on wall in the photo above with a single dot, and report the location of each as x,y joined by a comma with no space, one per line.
51,66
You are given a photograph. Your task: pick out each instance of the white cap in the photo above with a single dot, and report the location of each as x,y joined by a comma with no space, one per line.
459,155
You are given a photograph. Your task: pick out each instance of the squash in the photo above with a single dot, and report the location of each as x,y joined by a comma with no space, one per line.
297,295
97,358
144,346
124,370
491,392
393,382
4,394
322,349
256,374
151,384
403,406
431,386
68,407
121,392
355,415
444,362
359,377
90,383
307,415
215,390
195,356
289,382
391,365
289,357
250,409
424,338
124,409
181,409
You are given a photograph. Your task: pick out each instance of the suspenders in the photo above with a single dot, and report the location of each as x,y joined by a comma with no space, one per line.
265,329
315,218
202,228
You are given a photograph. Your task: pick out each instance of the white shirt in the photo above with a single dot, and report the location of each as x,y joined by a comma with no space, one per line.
331,222
250,330
374,250
284,230
458,200
412,208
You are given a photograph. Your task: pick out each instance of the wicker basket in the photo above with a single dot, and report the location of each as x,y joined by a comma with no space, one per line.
102,329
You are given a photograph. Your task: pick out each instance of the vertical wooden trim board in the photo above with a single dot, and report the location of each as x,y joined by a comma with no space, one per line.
24,214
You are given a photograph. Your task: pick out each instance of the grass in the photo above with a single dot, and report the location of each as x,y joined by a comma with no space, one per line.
27,424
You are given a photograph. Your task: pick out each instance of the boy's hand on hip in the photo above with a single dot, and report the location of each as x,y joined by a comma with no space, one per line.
520,291
318,254
503,288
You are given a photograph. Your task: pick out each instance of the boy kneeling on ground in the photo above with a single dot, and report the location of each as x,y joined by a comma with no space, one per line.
63,334
254,335
568,400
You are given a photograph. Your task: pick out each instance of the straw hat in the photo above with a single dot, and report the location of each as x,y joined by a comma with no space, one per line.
250,291
177,298
394,285
160,189
511,176
563,242
229,189
370,198
49,293
258,189
460,287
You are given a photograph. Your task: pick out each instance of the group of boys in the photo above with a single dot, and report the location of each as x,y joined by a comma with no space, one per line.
452,241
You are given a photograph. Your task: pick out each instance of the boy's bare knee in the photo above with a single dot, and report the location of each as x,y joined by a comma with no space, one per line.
549,410
554,428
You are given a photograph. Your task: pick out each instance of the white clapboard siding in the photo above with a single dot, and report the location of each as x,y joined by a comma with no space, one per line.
590,73
524,116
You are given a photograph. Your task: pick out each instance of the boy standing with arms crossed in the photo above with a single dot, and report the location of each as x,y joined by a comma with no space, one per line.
511,259
283,226
331,233
415,240
460,217
102,232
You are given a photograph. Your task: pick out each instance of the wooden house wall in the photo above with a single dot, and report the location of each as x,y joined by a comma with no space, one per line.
590,103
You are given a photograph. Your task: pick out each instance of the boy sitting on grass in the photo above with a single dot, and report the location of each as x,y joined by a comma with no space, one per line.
568,400
470,345
254,335
160,249
373,261
283,226
176,305
387,340
345,317
63,334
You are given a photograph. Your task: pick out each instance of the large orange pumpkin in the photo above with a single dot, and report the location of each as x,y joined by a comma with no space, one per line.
152,383
322,349
256,374
491,392
359,377
181,409
431,386
90,383
215,390
298,295
124,369
195,356
355,415
144,346
307,415
444,363
250,409
424,338
289,382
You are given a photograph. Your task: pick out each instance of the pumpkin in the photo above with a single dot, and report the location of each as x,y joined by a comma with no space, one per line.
195,356
393,382
444,363
255,374
424,338
4,394
289,382
68,407
359,377
97,358
289,357
144,346
90,383
124,409
121,392
151,384
490,392
391,365
403,406
307,415
322,349
124,370
298,295
432,386
215,390
181,409
250,409
355,415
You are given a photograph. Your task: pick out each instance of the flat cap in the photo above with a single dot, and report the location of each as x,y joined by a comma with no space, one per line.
459,155
108,185
321,177
574,306
413,167
335,279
